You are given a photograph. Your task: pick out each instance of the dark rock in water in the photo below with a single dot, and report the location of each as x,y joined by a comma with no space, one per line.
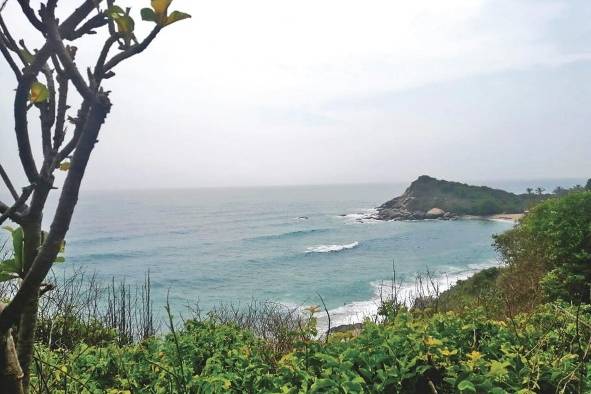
346,328
430,198
303,217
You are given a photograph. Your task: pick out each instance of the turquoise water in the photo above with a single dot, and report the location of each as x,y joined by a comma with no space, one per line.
284,244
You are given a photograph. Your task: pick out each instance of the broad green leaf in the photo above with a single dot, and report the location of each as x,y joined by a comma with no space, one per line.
17,244
27,56
5,276
148,15
498,369
115,10
39,93
176,16
125,24
466,386
9,266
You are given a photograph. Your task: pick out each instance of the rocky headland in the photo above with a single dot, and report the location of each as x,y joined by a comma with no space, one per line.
431,198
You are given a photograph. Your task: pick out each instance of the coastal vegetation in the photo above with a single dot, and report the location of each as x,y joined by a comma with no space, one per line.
523,327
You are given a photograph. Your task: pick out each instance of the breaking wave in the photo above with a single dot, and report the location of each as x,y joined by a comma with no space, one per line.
331,248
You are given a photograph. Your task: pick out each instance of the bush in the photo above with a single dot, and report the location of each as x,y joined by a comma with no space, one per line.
465,352
553,241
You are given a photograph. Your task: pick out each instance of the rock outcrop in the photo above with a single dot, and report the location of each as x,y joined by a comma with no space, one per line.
430,198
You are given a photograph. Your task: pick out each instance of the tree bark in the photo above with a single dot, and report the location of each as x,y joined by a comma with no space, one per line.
28,319
11,374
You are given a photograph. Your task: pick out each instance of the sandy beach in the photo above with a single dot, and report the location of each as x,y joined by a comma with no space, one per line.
509,217
514,217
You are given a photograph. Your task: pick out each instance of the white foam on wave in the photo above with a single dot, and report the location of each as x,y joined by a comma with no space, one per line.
359,311
364,216
331,248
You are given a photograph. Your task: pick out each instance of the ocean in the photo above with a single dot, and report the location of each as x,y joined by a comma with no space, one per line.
283,244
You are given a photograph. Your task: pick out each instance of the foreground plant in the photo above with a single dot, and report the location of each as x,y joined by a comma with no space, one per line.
43,80
448,353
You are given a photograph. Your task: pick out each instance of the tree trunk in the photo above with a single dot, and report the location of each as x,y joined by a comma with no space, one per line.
28,320
26,339
11,374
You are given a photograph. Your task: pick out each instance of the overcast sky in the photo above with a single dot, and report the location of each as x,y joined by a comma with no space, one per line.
253,92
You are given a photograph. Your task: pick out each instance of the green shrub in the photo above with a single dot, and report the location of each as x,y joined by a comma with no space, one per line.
554,238
454,352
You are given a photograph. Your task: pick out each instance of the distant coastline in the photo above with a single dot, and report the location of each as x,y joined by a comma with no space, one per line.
431,198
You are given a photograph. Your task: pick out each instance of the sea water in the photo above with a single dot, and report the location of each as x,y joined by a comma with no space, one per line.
283,244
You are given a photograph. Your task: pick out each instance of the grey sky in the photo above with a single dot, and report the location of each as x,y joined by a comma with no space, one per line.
331,91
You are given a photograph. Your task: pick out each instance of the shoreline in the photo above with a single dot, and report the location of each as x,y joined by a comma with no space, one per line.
503,217
356,312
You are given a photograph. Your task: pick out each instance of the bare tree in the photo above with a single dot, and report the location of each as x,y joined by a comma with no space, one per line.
43,81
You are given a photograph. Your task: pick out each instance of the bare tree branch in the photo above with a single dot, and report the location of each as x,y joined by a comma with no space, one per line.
10,42
47,116
24,86
62,106
29,76
99,20
133,50
5,52
61,222
100,63
9,212
71,145
68,27
21,127
54,39
30,14
8,183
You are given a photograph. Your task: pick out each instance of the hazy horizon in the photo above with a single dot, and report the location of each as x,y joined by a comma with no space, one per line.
505,184
338,92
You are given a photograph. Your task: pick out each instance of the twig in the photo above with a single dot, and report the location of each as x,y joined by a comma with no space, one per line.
17,205
180,383
8,183
55,40
30,14
134,50
327,314
4,49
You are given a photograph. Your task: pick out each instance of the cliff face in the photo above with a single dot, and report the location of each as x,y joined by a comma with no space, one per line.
430,198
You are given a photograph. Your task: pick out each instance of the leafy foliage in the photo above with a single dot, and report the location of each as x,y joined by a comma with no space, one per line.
479,290
12,268
159,13
465,353
554,239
